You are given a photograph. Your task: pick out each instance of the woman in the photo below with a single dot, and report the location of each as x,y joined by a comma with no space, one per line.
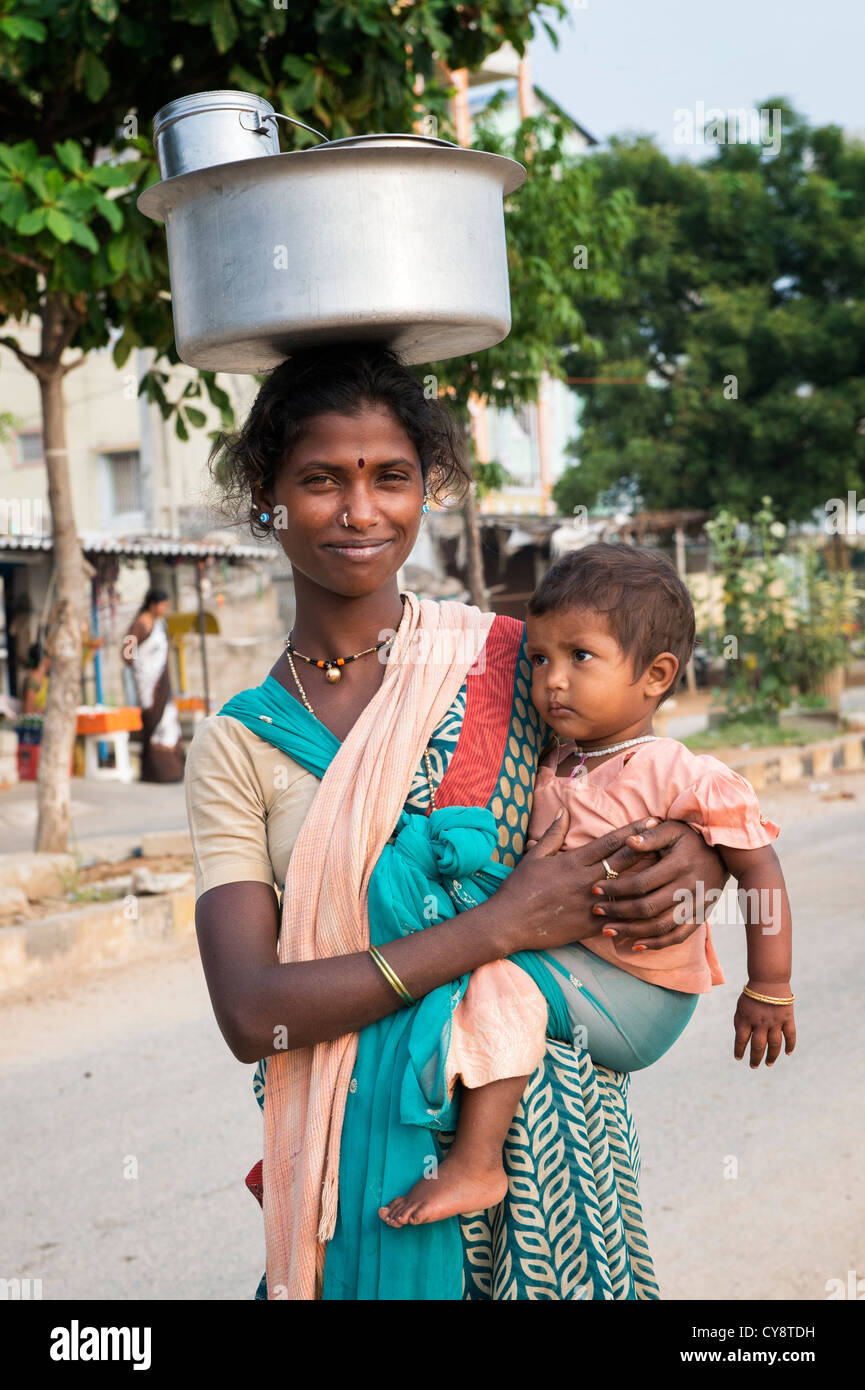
383,773
145,652
36,683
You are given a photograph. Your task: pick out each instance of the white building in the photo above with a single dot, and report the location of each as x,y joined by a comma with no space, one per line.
529,442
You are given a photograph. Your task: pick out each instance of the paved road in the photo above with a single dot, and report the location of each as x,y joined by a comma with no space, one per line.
123,1072
99,810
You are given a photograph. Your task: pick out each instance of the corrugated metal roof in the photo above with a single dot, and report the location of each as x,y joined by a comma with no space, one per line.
93,543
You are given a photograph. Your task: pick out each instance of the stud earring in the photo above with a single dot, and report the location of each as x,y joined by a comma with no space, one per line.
264,517
425,507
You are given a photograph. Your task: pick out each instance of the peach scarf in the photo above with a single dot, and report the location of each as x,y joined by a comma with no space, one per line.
325,914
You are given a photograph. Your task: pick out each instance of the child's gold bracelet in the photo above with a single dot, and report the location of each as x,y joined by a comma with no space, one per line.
766,998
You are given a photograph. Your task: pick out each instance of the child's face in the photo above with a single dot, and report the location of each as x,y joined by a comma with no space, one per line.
583,684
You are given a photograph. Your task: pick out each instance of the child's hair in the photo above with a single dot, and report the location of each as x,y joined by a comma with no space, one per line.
646,605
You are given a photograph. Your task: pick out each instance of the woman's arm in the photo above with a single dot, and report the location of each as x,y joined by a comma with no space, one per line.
263,1006
31,690
139,632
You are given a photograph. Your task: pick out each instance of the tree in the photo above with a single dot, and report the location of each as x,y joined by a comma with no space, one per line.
77,80
566,239
742,312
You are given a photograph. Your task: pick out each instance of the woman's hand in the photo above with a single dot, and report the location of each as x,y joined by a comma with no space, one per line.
651,905
555,897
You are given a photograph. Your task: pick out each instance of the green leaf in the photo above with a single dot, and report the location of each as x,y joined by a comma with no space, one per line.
78,197
74,269
32,222
117,254
97,79
122,348
58,224
180,428
223,25
35,178
70,155
20,158
111,212
17,27
295,67
13,204
106,10
54,183
84,237
114,175
195,417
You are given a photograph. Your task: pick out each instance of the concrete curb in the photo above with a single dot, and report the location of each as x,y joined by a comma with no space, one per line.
91,935
764,768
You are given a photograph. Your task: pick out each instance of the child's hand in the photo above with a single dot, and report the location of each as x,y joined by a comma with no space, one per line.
767,1026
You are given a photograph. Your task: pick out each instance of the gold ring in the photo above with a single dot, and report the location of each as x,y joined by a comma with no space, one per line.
610,873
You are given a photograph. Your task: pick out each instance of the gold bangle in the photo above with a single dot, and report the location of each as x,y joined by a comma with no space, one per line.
765,998
390,975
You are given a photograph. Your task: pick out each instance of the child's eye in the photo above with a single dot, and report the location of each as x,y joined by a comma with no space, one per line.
536,657
579,653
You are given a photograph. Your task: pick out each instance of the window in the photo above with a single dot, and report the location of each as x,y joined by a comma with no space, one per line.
122,494
28,447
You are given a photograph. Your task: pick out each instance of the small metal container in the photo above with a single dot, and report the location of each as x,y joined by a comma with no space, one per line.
207,128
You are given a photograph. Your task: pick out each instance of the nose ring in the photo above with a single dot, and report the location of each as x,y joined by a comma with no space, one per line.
345,518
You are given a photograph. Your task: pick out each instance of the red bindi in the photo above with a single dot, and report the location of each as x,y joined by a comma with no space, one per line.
361,463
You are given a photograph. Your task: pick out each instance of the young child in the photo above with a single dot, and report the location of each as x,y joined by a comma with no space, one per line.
610,629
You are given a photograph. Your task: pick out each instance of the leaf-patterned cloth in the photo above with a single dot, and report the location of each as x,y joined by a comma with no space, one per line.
571,1225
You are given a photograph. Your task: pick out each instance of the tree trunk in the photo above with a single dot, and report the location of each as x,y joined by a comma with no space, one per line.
63,638
474,554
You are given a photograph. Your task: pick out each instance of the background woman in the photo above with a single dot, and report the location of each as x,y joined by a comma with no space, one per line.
36,682
383,773
145,652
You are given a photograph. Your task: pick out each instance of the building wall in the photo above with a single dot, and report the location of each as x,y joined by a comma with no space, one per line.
513,438
104,416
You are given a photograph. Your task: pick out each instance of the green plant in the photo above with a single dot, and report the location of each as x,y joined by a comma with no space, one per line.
788,622
755,641
825,621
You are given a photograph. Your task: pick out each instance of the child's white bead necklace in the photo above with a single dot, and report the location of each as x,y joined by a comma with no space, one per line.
597,752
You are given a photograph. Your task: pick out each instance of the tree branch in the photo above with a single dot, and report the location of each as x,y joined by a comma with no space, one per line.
26,357
24,260
79,362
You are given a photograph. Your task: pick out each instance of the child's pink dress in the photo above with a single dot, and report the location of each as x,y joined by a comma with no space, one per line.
499,1026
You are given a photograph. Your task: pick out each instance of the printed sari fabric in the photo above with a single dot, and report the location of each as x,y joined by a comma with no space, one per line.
571,1225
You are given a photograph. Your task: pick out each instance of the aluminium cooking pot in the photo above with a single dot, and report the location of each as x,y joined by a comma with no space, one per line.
397,238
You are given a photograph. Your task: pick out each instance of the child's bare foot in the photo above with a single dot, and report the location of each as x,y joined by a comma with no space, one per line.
453,1191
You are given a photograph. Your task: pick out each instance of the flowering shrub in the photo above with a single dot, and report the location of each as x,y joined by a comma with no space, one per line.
792,620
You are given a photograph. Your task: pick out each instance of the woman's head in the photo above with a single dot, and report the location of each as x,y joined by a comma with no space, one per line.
155,603
610,628
344,434
37,657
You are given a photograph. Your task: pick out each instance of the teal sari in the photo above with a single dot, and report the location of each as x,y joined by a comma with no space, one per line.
571,1225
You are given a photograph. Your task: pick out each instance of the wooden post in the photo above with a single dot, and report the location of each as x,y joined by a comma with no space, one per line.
202,628
681,566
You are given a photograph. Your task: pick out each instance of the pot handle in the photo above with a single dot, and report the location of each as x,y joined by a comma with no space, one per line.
277,116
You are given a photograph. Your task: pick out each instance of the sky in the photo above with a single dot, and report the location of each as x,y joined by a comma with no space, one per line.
630,65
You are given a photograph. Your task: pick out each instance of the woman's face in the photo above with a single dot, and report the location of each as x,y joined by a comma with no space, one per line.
322,478
159,609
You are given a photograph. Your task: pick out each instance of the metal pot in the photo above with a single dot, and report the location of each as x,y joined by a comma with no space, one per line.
397,238
207,128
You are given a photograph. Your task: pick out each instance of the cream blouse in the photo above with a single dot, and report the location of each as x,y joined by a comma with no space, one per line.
245,802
